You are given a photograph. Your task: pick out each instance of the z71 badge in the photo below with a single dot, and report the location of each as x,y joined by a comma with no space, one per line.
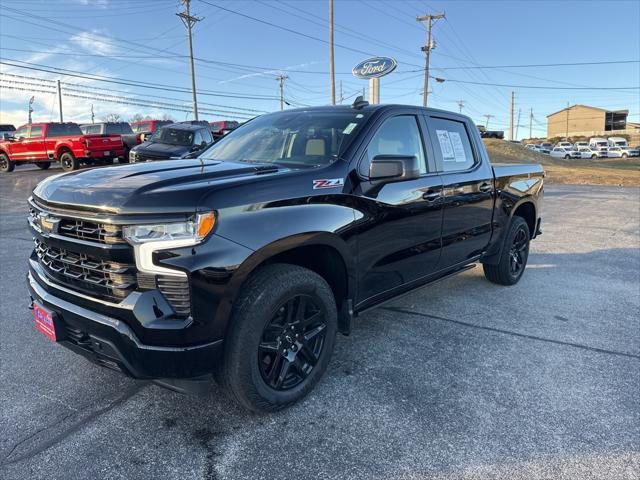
328,183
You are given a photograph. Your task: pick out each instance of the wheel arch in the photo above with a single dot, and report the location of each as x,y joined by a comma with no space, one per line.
527,210
321,252
61,149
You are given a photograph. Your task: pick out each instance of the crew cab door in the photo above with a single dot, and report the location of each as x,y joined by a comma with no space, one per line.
468,186
400,222
34,145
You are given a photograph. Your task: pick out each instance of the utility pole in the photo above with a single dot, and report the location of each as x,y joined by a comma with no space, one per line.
281,79
460,105
31,108
331,66
566,137
488,117
429,19
341,94
189,21
513,99
518,124
531,124
60,101
92,115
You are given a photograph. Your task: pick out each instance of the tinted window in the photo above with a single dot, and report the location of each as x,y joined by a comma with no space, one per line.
35,132
452,144
396,136
311,139
21,132
63,130
198,138
7,128
206,135
173,136
113,129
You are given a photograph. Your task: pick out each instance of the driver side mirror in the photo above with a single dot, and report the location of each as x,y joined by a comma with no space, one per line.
393,168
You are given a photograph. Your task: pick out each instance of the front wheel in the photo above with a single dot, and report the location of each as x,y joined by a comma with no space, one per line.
6,165
69,162
566,157
281,337
514,256
624,155
594,156
43,165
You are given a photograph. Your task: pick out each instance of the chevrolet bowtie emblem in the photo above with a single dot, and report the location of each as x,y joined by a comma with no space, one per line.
49,224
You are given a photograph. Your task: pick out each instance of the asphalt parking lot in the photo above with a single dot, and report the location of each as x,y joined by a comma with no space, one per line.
463,379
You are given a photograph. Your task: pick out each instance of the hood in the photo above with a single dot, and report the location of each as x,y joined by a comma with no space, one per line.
162,149
172,186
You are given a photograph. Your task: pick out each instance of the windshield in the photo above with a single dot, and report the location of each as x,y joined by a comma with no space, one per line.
311,138
172,136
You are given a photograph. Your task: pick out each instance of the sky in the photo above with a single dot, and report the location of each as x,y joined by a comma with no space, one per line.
484,51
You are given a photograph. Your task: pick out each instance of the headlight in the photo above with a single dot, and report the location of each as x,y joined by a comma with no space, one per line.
132,156
146,239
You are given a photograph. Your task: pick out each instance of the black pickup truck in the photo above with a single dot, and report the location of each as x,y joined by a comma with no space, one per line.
243,264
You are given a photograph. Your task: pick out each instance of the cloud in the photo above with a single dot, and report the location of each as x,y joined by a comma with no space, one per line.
94,41
95,3
269,72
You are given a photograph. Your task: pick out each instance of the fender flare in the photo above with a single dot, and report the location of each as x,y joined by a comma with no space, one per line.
493,256
282,245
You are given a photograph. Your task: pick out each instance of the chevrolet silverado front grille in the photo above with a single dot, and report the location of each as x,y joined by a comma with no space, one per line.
92,231
106,278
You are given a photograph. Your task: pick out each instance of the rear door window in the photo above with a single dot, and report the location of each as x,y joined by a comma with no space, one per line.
452,145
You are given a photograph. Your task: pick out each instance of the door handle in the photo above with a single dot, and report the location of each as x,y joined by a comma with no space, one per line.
485,187
431,195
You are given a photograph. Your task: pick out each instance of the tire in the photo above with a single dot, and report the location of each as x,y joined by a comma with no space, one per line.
125,158
43,165
69,162
253,363
624,155
594,156
567,157
516,242
6,165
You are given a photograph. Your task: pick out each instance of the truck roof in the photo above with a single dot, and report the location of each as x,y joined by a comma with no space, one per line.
375,108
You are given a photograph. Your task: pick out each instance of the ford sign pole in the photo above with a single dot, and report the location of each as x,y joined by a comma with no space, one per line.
372,69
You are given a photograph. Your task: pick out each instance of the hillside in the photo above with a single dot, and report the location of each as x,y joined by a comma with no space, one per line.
602,171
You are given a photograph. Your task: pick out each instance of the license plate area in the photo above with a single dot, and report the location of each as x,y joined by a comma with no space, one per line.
43,319
107,153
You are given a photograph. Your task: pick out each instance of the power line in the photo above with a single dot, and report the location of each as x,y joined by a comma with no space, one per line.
534,86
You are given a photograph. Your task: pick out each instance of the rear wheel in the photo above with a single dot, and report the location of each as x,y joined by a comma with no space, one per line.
43,165
69,162
594,156
514,256
624,155
6,165
281,338
566,157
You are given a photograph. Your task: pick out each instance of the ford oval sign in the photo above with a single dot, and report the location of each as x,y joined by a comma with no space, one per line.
375,67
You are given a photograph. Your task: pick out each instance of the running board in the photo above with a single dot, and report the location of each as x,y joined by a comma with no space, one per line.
427,284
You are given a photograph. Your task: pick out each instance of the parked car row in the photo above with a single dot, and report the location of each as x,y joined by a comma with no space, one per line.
101,143
596,147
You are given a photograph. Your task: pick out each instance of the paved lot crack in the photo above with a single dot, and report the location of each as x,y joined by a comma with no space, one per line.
514,334
74,427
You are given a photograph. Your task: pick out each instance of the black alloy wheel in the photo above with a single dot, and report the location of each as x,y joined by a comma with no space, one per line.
292,342
518,252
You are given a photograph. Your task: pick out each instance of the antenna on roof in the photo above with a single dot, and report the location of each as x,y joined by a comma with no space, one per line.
359,102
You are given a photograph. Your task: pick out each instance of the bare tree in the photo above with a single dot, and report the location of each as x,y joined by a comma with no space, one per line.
136,118
112,117
166,116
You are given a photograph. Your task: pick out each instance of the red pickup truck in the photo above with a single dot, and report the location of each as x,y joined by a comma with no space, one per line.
42,143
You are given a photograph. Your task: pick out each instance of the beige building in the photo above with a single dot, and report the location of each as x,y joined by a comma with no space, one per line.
586,121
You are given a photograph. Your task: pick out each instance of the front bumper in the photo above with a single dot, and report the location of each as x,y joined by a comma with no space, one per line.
111,343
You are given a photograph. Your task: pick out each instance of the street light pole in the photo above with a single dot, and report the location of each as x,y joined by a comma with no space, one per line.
281,79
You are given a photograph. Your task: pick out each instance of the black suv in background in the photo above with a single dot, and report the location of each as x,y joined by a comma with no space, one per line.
172,141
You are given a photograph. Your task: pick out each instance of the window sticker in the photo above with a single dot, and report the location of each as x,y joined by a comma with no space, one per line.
349,128
446,148
458,148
